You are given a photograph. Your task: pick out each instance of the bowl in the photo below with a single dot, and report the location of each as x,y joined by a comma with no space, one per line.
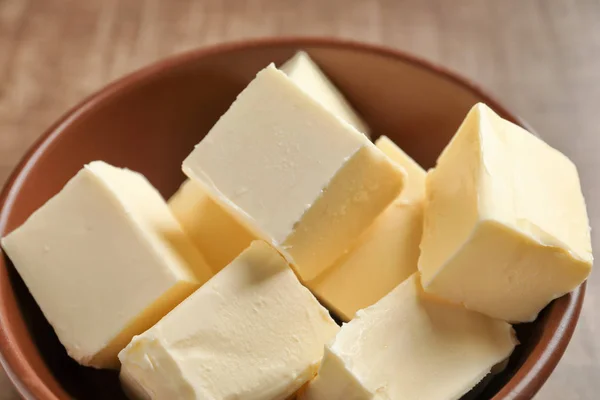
150,120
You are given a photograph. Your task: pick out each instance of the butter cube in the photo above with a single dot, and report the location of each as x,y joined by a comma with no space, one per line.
219,236
293,173
307,74
386,254
105,260
506,229
410,345
414,187
251,332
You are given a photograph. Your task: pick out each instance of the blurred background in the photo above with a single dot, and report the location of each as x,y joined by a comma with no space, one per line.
540,58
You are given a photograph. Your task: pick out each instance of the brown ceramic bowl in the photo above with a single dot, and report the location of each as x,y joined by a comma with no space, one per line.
150,120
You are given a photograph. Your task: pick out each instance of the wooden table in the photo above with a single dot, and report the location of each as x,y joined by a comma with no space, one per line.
540,57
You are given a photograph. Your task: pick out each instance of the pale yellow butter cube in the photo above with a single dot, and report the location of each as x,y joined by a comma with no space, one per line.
219,236
410,345
293,173
414,187
386,254
307,74
251,332
105,260
506,229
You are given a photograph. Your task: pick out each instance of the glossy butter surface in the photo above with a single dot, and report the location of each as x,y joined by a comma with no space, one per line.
386,254
410,345
104,259
251,332
506,229
219,236
293,173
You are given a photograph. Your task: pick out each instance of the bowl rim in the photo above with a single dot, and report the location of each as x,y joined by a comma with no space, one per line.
523,385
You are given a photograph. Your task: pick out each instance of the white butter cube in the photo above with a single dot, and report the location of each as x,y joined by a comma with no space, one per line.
386,253
105,260
293,173
219,236
307,74
506,229
251,332
410,345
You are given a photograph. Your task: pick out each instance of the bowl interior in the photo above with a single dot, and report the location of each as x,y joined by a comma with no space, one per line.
150,121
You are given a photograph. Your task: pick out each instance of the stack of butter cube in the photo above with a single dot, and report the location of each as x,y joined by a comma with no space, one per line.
290,212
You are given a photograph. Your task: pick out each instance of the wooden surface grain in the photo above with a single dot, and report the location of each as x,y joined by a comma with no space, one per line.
542,58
